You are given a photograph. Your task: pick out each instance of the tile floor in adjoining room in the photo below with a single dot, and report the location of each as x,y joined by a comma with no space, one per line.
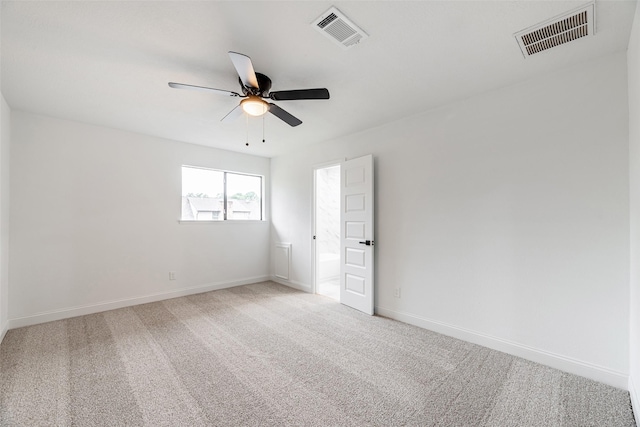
329,288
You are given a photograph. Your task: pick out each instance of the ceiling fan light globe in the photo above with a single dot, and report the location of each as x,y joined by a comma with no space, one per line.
254,106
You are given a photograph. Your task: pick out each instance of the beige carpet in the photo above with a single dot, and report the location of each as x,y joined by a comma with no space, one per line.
267,355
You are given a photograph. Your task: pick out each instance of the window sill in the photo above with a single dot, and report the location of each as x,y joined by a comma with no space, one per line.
228,221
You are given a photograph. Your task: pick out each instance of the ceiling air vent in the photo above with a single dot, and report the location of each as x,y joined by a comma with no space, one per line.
339,28
559,30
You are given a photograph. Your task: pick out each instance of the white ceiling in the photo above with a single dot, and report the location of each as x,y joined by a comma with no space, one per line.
108,63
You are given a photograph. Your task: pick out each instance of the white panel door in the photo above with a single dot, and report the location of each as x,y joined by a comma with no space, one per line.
356,218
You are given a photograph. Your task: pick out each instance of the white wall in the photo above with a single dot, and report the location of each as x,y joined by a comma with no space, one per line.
504,218
633,64
5,143
95,221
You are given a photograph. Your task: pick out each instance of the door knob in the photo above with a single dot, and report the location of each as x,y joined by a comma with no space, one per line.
367,242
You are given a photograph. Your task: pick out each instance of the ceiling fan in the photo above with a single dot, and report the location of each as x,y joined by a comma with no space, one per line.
255,89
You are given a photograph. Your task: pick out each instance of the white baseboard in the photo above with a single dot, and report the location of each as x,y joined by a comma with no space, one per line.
3,331
557,361
66,313
635,399
292,284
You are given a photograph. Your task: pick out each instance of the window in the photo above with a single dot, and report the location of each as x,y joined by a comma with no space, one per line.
211,195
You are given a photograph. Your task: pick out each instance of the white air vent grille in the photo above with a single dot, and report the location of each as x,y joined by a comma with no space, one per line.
554,32
337,27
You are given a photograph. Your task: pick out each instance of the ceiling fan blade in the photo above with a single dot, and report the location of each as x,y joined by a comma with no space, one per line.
244,67
289,95
201,88
232,115
283,115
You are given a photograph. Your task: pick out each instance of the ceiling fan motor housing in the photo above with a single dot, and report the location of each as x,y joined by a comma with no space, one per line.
264,84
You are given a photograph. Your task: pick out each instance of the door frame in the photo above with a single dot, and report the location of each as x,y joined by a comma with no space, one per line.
314,262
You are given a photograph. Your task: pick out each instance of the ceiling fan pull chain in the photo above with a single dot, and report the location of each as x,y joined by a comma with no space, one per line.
263,129
247,117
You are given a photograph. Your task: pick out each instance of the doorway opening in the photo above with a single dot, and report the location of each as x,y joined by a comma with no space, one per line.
327,231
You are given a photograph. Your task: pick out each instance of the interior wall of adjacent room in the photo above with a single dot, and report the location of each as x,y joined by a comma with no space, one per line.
633,63
5,143
95,219
503,218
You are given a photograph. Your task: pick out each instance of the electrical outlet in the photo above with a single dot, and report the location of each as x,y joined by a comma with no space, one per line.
172,275
396,292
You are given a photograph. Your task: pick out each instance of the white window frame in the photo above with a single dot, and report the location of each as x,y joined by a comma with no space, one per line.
225,219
